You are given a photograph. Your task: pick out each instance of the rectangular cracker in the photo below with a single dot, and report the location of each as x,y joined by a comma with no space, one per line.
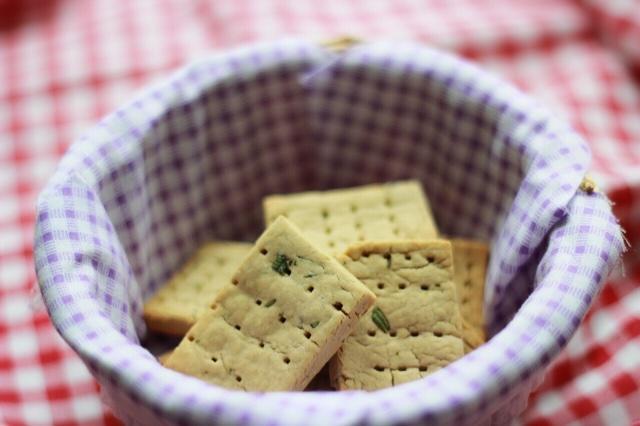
470,267
332,220
176,306
163,357
413,282
287,311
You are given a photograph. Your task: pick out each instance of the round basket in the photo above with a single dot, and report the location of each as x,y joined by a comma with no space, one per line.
190,159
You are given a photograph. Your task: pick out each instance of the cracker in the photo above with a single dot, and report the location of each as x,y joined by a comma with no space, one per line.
287,310
175,307
332,220
413,282
163,357
470,268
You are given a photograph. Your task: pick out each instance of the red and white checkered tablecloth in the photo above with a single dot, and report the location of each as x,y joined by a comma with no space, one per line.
65,63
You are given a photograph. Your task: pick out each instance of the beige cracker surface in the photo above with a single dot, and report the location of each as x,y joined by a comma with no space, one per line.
273,331
163,357
413,282
175,307
332,220
470,268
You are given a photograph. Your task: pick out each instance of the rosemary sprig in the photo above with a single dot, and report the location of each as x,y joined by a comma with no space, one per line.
380,319
282,264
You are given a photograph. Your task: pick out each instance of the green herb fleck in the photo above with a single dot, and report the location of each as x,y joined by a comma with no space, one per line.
282,264
380,319
310,275
270,303
314,324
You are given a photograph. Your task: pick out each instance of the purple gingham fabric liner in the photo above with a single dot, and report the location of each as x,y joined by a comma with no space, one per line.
190,159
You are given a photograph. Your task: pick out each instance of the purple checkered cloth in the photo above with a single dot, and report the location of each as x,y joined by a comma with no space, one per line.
190,159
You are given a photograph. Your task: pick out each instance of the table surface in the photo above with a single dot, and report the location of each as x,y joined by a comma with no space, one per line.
66,63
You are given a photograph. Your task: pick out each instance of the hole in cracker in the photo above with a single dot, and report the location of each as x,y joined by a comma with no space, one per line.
307,335
191,338
310,289
332,244
467,283
327,230
286,360
392,218
415,333
325,213
354,208
358,225
338,306
378,368
261,344
371,333
393,333
214,359
237,327
235,281
407,256
437,333
214,306
263,251
438,285
238,379
258,302
380,286
424,287
422,368
282,319
402,368
396,231
365,254
387,202
469,265
402,286
465,300
431,259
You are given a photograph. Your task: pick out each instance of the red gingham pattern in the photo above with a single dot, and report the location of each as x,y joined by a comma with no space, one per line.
66,63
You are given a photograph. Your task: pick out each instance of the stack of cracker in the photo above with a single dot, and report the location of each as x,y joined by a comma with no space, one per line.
355,276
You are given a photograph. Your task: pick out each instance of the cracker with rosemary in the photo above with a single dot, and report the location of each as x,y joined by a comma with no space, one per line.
176,306
332,220
470,268
285,312
414,328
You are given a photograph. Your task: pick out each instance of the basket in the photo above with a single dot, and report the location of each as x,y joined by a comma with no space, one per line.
190,159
